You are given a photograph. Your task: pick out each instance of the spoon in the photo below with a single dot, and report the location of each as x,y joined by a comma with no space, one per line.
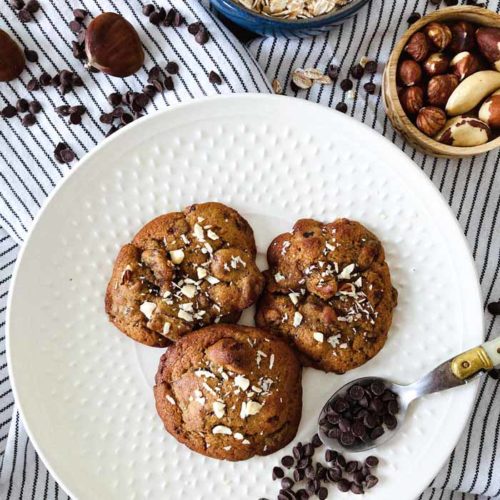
459,370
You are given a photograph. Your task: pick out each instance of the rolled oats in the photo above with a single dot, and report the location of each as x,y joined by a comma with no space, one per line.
293,9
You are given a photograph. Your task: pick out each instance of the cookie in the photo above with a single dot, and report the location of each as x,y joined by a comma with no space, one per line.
182,271
329,292
230,392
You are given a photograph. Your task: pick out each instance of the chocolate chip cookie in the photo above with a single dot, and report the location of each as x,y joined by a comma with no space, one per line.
329,292
182,271
230,392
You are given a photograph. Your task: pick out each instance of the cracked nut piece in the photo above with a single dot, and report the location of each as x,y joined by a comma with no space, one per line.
436,64
11,58
462,37
488,40
412,99
464,64
439,34
410,72
489,112
464,131
113,45
431,120
440,89
418,46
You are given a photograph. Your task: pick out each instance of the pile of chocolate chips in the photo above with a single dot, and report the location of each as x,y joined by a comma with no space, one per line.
25,10
310,477
362,414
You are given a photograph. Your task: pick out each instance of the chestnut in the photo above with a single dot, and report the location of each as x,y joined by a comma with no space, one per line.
113,46
11,58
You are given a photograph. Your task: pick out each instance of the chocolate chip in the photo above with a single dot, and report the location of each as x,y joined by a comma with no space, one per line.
114,98
162,14
172,68
9,111
377,432
308,450
342,107
149,90
33,85
154,18
356,392
294,86
79,109
371,67
35,107
194,28
169,83
309,472
75,118
17,4
302,494
330,455
302,463
377,388
346,85
347,439
31,55
414,17
214,78
118,112
298,475
316,441
278,473
111,131
67,155
357,71
371,461
24,16
44,79
352,466
28,120
322,493
62,110
56,80
22,105
287,483
32,6
126,118
369,87
287,461
80,14
371,481
357,489
157,85
334,433
334,474
178,19
344,485
333,71
75,26
393,407
148,9
202,36
340,461
494,374
494,308
140,100
297,452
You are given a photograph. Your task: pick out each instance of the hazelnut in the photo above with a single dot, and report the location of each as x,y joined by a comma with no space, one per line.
464,64
440,88
410,72
439,34
113,46
462,37
436,64
11,58
431,120
412,99
489,112
488,40
418,46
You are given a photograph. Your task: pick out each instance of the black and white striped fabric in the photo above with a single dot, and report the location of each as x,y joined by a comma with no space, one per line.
28,173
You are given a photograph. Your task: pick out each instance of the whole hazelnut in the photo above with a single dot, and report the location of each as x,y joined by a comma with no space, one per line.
418,46
462,37
436,64
440,88
410,72
412,99
11,58
439,34
113,46
464,64
431,120
488,40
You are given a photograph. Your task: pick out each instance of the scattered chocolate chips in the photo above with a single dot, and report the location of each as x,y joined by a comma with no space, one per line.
172,68
414,17
22,105
35,107
278,473
63,153
494,308
44,79
287,461
357,71
9,111
33,85
32,6
214,78
31,55
28,120
342,107
346,85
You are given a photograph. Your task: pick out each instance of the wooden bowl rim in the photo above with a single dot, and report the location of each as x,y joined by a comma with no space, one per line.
392,64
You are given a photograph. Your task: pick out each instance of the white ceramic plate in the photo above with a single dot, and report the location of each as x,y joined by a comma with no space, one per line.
85,390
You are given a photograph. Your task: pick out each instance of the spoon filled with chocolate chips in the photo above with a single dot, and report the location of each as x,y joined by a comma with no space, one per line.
367,412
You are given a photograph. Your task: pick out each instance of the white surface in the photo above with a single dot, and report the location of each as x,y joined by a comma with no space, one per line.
84,390
492,348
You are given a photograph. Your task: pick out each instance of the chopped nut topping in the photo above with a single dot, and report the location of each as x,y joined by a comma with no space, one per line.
278,277
318,336
294,297
188,291
238,436
242,382
170,399
222,429
201,272
185,315
198,232
212,235
212,280
334,340
166,328
147,308
219,409
297,319
177,256
346,272
204,373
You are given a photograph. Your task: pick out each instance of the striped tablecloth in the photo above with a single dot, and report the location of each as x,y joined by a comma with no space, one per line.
28,172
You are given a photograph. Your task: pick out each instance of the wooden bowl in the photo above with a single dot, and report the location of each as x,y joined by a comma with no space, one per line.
395,112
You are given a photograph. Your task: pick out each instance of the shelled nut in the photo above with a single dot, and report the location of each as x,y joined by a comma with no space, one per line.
462,37
464,64
431,120
488,40
418,46
440,89
436,64
439,34
412,99
464,131
410,72
489,112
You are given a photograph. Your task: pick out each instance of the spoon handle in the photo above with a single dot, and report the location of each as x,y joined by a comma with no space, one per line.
483,357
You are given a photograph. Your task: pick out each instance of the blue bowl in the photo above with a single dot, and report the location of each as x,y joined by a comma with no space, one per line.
271,26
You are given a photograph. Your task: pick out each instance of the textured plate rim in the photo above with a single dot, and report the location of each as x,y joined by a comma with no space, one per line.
411,170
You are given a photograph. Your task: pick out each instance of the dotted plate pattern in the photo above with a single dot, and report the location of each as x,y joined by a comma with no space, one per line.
85,390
